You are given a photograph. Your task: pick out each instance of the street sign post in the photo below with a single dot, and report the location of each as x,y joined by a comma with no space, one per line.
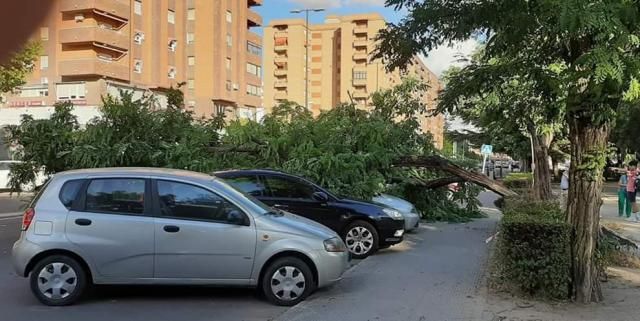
485,150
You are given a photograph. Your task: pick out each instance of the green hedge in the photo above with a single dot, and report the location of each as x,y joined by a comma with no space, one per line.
534,248
518,180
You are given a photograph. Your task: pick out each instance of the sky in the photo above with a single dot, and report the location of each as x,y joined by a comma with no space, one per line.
438,60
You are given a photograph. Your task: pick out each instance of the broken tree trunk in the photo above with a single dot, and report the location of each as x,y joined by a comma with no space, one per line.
437,162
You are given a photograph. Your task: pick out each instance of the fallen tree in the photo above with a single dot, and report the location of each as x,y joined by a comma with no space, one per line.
439,163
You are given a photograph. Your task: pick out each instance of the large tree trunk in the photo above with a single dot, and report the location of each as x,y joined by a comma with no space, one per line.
588,145
542,171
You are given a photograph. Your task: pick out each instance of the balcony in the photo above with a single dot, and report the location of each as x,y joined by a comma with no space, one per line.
93,67
117,9
94,34
280,59
280,72
358,43
359,82
358,30
253,19
280,95
280,84
360,94
253,3
280,34
360,56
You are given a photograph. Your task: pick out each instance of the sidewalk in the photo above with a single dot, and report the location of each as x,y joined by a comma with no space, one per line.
609,216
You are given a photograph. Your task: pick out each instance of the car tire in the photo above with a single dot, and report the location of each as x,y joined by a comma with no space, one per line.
361,239
287,281
58,280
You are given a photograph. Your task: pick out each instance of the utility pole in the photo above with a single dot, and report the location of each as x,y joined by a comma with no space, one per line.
306,46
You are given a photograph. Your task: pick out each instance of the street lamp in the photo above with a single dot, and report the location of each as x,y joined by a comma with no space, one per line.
306,46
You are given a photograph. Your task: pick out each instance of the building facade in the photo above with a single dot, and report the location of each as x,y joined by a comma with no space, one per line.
339,66
97,47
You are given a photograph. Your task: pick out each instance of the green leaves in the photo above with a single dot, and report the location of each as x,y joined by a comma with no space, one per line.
14,71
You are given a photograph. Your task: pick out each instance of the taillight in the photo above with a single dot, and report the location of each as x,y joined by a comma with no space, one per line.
27,218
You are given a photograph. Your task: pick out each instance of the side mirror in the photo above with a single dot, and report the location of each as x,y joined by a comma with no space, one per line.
321,197
235,217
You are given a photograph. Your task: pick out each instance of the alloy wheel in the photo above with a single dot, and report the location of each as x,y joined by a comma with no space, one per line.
359,240
288,283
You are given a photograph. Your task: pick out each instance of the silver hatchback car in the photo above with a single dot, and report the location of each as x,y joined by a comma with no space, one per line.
161,226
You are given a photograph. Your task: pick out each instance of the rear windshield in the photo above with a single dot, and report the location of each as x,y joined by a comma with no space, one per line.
39,192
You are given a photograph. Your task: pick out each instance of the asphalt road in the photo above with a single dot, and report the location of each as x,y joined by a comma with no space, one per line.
12,204
430,276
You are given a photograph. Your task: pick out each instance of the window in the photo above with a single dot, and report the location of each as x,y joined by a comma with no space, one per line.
191,60
254,49
138,38
191,14
137,66
181,200
228,85
227,63
190,37
34,91
44,62
361,75
254,90
229,40
248,184
171,16
285,188
44,33
173,44
137,7
69,192
116,195
254,69
191,83
229,16
70,91
245,112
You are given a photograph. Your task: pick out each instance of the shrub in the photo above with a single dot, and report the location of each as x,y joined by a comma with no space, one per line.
518,180
534,248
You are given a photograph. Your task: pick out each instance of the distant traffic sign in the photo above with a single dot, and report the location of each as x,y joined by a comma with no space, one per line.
486,149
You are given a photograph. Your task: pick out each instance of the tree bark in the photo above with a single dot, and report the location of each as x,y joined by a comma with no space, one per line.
584,201
437,162
542,172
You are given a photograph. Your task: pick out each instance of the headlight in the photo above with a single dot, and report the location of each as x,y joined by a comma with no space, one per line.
334,245
393,213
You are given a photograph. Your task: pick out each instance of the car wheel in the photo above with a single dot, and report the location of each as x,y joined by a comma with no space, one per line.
287,281
361,239
58,280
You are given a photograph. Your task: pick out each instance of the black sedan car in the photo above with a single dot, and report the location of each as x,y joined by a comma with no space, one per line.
364,227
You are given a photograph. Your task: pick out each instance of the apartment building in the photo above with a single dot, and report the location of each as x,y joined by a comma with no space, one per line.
97,47
339,65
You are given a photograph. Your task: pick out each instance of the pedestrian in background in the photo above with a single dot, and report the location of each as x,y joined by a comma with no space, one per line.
564,188
632,174
624,206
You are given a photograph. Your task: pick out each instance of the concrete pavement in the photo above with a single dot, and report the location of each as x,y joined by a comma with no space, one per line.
433,276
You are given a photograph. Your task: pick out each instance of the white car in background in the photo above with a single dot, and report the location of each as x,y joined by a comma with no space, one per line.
5,168
408,210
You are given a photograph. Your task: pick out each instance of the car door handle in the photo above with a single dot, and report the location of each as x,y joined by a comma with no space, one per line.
83,222
171,228
280,205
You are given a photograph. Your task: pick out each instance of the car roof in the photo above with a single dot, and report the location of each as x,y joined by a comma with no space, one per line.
142,171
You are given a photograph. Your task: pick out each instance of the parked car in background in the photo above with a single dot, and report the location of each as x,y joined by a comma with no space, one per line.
160,226
365,227
5,169
408,210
